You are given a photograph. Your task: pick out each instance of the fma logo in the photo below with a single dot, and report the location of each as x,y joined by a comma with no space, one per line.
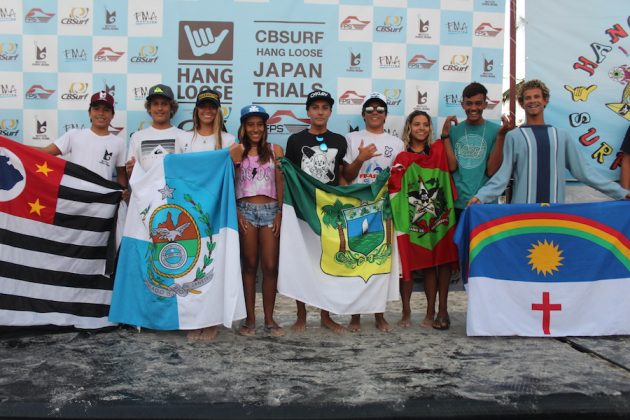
111,90
389,62
146,54
486,29
284,121
452,100
145,17
392,96
75,55
140,92
391,24
206,40
353,23
9,127
456,27
459,63
77,91
351,97
355,62
77,16
7,14
7,91
73,126
107,55
8,51
38,92
420,62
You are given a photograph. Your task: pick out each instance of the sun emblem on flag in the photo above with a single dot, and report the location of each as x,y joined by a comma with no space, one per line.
545,257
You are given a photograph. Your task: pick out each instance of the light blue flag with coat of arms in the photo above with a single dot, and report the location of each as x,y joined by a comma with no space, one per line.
179,264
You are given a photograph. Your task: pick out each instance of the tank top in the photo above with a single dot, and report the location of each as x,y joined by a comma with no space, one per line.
256,179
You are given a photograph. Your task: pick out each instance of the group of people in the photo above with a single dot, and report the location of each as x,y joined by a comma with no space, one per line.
480,155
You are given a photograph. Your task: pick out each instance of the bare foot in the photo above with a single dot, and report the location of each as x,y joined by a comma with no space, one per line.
193,335
247,330
299,326
405,321
355,324
274,330
209,333
427,322
327,322
381,323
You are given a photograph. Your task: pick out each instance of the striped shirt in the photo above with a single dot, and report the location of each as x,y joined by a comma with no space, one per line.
536,156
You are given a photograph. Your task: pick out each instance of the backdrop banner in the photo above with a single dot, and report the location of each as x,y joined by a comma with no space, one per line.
587,70
418,53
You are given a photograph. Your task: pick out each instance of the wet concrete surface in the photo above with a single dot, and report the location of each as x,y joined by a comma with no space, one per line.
405,373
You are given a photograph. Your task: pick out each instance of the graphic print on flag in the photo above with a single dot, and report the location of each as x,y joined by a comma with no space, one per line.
422,194
55,224
179,264
547,270
336,248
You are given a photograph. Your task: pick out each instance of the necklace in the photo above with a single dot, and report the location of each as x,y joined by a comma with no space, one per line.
483,133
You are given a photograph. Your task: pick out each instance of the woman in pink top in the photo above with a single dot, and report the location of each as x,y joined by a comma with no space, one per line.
259,197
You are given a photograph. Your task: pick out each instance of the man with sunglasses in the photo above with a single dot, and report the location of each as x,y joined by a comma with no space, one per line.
319,153
370,151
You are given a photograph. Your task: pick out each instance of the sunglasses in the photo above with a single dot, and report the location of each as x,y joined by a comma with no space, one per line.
371,109
322,145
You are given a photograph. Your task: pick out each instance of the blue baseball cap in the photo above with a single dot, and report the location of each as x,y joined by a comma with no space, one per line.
253,111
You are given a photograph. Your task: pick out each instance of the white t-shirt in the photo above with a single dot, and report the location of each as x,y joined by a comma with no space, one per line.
99,154
387,145
150,145
190,142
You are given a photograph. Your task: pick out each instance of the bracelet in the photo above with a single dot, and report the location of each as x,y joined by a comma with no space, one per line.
445,137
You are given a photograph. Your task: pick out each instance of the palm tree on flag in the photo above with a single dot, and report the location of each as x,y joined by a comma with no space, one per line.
333,217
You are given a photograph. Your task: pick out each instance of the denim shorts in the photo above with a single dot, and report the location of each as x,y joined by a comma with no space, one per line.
258,215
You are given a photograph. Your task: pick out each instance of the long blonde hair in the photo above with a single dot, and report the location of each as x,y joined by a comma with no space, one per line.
406,136
217,127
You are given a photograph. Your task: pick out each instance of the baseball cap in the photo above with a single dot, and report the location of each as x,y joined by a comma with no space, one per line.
160,90
102,96
209,96
374,96
252,111
317,95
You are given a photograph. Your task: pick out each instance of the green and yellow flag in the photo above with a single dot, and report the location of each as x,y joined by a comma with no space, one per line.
336,244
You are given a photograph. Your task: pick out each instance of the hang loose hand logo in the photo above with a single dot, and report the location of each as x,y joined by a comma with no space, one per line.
580,93
202,41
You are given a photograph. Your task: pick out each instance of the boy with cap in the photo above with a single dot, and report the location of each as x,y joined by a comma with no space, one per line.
370,151
319,153
95,148
149,145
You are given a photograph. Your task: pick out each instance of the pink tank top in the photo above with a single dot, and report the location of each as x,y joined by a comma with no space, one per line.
255,179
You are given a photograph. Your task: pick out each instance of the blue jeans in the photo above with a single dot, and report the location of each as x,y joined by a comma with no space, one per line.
258,215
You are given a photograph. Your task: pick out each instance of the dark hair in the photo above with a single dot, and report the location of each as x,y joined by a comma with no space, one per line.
474,89
173,102
406,135
264,153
